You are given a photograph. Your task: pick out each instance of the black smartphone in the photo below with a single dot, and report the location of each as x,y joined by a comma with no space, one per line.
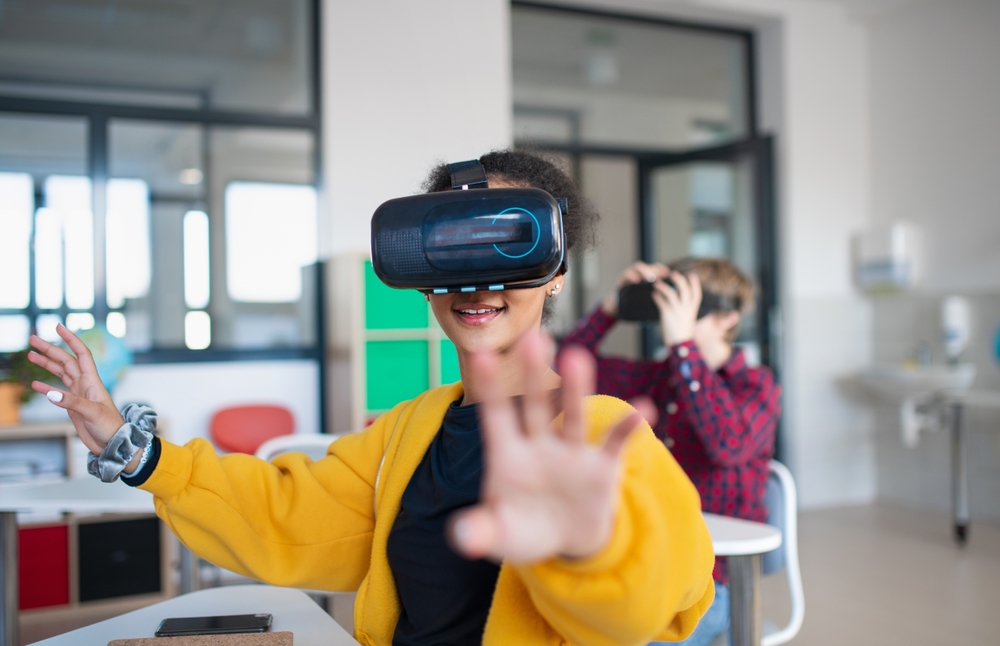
222,625
635,303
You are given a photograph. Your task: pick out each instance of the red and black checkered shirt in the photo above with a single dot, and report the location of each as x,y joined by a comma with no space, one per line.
719,424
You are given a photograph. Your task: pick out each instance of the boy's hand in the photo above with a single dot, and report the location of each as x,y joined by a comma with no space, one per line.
94,415
634,273
678,307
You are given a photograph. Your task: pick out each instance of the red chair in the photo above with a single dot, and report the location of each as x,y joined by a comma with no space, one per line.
242,429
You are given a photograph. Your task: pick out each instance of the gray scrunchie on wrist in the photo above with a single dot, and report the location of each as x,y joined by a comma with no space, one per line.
134,435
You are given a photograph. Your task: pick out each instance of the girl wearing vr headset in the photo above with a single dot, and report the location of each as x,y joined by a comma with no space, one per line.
720,414
509,508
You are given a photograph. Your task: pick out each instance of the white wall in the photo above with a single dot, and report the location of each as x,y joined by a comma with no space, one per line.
936,132
400,95
407,85
185,395
813,95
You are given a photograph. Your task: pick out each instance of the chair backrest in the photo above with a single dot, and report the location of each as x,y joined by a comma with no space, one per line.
782,503
776,502
312,444
242,429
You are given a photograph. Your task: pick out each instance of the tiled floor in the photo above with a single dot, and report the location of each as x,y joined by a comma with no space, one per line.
881,575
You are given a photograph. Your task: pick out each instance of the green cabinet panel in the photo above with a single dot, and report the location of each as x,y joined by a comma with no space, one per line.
449,363
392,309
396,371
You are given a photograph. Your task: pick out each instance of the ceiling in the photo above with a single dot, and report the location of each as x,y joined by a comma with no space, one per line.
249,54
599,54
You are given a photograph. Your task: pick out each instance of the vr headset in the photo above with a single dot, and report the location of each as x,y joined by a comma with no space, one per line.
635,302
472,238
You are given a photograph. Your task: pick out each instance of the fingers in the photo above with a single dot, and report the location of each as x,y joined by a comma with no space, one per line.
615,439
497,417
82,352
473,532
534,351
57,355
53,367
640,271
668,295
578,371
682,284
646,408
87,409
696,292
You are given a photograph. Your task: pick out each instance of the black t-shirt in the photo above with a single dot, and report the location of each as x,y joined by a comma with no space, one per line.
444,598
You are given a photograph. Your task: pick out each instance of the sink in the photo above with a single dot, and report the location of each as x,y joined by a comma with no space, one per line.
894,381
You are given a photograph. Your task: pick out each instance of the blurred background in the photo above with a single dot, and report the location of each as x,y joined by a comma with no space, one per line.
192,182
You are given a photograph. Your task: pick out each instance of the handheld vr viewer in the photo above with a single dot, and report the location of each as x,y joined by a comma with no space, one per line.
635,302
469,240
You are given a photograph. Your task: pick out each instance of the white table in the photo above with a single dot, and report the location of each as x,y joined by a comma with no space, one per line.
292,610
84,495
743,542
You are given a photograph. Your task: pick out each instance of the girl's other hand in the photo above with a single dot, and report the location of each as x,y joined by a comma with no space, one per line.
94,415
546,492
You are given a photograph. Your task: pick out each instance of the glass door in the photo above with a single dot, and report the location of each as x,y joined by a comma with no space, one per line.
716,202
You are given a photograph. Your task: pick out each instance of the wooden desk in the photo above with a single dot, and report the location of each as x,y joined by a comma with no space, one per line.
743,542
292,610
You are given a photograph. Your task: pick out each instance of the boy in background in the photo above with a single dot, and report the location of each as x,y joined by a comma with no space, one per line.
717,414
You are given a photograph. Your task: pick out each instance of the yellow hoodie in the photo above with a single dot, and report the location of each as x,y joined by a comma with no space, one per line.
324,525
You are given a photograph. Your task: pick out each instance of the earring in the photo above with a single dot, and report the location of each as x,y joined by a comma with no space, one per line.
427,297
555,288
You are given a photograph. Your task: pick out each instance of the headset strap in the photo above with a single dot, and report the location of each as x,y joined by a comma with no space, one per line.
467,174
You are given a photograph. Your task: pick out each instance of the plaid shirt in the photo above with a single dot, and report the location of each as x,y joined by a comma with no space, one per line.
719,425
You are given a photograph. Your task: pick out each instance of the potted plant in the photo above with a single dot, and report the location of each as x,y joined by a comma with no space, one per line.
16,375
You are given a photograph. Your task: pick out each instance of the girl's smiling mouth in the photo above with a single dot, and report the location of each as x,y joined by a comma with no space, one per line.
477,313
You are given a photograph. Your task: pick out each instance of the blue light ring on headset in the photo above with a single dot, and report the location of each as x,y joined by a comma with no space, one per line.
536,237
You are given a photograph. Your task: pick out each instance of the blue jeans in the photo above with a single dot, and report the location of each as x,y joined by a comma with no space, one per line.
712,624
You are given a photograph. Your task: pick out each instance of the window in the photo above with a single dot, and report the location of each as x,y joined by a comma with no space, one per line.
17,204
140,196
270,237
581,77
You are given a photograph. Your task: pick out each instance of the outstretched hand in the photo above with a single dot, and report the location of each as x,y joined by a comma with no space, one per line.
547,492
94,415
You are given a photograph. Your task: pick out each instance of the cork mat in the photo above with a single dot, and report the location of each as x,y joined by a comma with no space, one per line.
242,639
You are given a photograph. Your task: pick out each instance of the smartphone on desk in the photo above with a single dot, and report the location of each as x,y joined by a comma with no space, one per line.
221,625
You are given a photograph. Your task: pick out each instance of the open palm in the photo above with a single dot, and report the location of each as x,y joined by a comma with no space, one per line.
94,415
547,491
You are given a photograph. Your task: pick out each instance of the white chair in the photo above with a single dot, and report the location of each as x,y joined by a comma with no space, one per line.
782,502
312,444
339,605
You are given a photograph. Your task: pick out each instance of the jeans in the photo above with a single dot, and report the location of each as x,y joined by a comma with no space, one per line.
712,624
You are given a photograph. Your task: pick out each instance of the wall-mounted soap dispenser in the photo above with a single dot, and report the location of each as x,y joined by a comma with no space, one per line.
956,326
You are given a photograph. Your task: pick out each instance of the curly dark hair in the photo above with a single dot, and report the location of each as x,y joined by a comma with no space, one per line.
531,169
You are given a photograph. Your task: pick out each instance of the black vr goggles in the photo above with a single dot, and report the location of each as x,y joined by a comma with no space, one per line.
635,302
469,240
